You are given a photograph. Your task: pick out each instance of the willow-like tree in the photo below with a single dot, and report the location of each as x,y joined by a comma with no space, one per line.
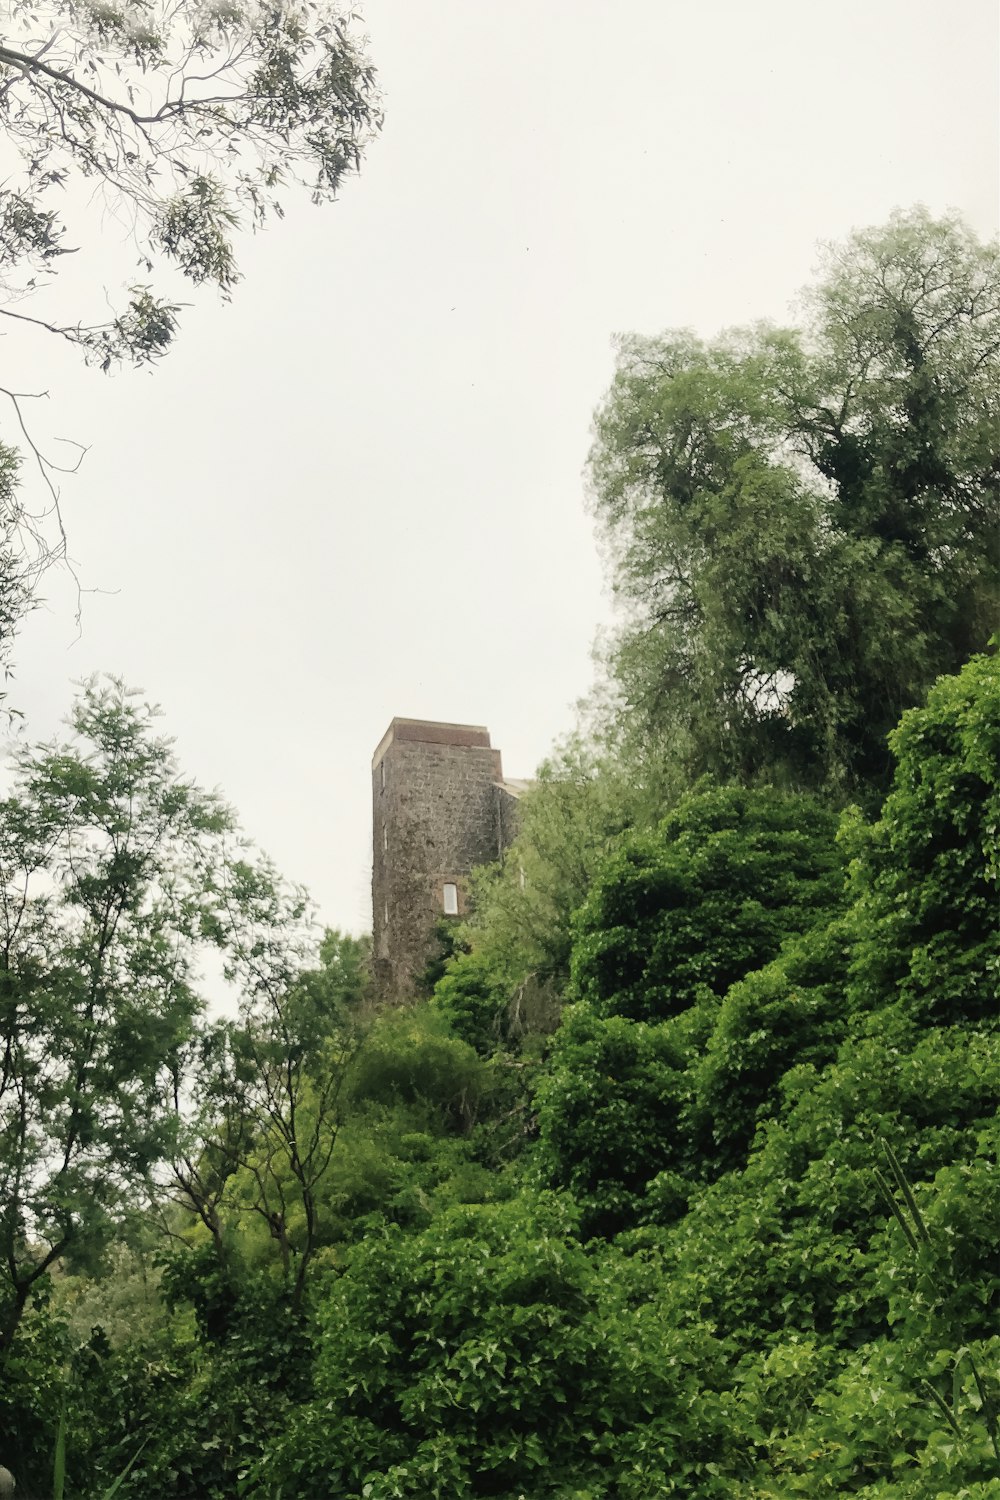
804,522
155,132
188,123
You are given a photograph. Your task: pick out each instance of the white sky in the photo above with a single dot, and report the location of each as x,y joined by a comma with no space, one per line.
357,490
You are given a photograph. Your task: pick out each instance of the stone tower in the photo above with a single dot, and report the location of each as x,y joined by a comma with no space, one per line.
440,808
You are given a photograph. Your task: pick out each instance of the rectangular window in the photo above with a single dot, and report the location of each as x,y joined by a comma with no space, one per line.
385,912
385,839
382,770
450,900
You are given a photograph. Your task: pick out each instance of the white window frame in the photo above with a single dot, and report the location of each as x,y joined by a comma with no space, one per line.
449,896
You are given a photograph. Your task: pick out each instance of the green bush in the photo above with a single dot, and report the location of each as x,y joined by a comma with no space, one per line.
473,1002
729,875
928,883
610,1113
410,1056
492,1356
789,1013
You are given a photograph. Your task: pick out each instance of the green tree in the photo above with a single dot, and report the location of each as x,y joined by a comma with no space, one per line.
194,123
804,522
18,570
511,981
344,970
119,877
103,853
185,124
115,872
687,911
673,921
566,823
928,878
850,1307
244,1211
491,1356
258,1100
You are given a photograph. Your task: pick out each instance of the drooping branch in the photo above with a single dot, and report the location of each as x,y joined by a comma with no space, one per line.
29,64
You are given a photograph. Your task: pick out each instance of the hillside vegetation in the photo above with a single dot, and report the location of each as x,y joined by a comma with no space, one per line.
681,1177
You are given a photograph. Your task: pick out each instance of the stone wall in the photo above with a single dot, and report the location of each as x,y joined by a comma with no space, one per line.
436,816
506,816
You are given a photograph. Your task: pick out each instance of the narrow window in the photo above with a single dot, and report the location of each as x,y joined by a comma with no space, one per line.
386,915
385,839
450,900
382,770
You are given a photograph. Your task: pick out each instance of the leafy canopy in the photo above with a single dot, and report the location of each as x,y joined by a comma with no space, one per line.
712,894
115,872
805,523
191,121
181,126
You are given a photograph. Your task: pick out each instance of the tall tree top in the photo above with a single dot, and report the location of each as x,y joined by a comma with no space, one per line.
803,522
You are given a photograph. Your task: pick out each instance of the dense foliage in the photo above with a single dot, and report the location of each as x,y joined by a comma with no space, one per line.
737,1240
682,1180
805,522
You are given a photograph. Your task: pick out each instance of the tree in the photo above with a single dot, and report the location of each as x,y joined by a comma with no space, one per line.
191,122
266,1088
114,872
344,970
804,522
928,879
684,913
181,123
520,935
17,571
673,921
103,847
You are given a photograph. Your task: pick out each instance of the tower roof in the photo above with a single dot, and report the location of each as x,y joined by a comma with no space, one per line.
433,732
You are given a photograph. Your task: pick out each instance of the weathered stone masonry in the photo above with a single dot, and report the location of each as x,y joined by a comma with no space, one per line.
440,808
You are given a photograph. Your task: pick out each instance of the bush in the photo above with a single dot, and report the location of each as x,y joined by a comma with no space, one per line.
927,884
610,1113
491,1356
791,1012
730,874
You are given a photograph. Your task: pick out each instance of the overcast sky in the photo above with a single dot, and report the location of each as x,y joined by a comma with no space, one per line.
357,490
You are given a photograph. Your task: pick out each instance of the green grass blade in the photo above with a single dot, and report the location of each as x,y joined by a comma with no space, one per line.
116,1486
906,1190
59,1459
898,1214
942,1406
